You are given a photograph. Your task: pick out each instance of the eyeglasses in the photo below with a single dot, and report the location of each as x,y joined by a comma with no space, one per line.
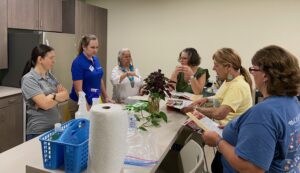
252,69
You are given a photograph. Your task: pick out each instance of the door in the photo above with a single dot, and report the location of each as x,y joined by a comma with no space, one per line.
100,30
3,34
50,15
23,14
92,20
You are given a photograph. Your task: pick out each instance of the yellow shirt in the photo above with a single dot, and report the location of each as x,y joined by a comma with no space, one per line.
235,94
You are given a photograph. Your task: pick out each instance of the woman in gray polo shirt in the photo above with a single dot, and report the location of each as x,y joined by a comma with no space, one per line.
41,92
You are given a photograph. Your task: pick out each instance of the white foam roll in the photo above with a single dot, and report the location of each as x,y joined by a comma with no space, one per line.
107,143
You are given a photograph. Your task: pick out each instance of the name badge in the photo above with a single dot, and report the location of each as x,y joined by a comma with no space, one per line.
91,68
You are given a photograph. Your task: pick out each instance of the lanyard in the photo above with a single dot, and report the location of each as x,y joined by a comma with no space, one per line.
131,78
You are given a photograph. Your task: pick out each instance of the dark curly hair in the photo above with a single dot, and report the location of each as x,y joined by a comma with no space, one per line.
194,58
281,68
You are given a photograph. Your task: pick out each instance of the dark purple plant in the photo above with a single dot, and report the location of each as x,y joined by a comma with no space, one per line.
157,85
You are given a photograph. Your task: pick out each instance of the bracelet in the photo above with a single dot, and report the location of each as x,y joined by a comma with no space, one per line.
218,143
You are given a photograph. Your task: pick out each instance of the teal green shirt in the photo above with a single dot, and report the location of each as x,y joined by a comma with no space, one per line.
183,86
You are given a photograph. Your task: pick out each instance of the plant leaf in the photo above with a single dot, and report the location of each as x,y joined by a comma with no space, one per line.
163,116
155,123
137,117
143,128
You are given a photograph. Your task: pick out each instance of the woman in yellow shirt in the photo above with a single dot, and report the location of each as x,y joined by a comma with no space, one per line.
234,95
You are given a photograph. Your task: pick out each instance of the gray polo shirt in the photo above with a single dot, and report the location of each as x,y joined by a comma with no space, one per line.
38,120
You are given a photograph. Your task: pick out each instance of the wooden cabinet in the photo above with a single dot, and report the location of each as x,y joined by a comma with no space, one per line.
23,14
80,19
11,122
90,19
43,15
3,34
50,13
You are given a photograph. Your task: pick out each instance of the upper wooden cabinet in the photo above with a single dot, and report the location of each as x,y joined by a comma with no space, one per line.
43,15
3,34
50,13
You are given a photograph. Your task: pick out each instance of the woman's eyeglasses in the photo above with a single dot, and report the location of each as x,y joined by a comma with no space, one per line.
252,69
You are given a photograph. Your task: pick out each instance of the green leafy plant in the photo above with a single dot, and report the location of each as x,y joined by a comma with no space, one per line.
143,115
158,87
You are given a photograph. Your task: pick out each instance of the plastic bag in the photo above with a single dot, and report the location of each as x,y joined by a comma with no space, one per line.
141,151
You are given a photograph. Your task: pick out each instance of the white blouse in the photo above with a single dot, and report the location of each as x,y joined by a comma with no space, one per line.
123,90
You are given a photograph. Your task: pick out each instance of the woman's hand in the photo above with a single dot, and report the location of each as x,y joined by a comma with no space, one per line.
109,100
188,72
62,96
131,73
199,102
62,93
187,109
191,107
60,88
210,138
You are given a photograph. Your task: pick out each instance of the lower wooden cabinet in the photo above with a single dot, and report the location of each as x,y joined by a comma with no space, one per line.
11,121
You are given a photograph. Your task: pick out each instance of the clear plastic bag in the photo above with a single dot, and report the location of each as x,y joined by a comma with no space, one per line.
141,151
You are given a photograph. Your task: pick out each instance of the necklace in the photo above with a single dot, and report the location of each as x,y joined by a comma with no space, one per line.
131,78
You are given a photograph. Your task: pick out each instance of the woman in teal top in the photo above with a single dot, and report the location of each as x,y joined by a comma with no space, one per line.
188,76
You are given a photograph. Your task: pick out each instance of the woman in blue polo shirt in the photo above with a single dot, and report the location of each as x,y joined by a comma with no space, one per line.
87,74
266,138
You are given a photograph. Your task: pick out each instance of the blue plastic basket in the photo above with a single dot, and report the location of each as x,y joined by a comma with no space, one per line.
70,150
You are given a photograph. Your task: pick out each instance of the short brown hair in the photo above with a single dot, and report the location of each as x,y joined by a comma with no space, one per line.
194,57
282,69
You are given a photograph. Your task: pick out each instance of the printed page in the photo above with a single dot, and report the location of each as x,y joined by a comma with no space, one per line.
178,103
205,123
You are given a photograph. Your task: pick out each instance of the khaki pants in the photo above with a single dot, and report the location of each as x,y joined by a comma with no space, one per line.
73,107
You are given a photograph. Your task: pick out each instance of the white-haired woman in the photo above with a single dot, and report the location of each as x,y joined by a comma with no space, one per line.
125,78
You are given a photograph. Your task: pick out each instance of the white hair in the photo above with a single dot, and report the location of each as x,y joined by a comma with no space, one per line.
121,53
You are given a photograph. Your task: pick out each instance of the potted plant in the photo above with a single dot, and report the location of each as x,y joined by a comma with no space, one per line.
157,86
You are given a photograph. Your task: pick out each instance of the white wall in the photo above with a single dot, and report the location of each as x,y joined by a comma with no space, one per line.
157,30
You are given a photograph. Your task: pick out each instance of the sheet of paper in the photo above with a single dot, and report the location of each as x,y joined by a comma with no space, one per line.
205,123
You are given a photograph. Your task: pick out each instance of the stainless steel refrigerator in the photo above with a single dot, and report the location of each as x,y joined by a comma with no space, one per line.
20,45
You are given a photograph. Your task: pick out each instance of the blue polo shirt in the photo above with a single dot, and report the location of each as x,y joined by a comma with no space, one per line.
90,72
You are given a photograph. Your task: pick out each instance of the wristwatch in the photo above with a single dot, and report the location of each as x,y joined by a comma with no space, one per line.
54,96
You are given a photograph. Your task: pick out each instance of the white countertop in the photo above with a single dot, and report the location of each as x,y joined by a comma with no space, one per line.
29,153
8,91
